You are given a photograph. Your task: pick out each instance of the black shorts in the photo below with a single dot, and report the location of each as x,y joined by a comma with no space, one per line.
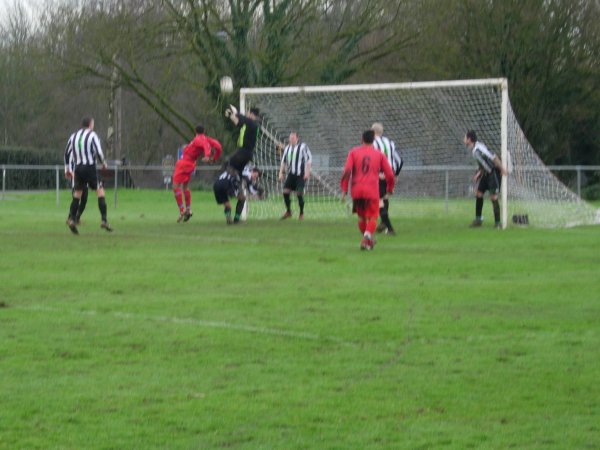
86,176
294,183
240,159
490,182
221,189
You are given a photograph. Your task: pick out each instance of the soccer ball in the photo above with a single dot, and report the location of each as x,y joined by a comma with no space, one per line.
226,85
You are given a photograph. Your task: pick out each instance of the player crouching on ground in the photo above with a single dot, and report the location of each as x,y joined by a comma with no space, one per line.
256,191
230,185
200,145
362,167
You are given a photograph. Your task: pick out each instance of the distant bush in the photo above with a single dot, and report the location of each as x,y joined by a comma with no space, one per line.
591,192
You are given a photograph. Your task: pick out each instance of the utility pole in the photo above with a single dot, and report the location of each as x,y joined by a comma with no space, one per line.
115,114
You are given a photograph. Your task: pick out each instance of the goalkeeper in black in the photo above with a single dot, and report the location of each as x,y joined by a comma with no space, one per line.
249,127
488,177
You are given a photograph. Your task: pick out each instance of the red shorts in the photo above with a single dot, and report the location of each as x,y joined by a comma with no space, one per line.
366,207
183,171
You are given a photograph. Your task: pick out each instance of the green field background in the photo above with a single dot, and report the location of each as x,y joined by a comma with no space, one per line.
284,335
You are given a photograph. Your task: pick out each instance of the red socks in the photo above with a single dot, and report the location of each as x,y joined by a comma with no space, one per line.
362,225
188,199
367,224
371,225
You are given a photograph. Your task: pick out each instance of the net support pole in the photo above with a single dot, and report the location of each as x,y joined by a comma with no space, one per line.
504,151
447,189
578,168
242,102
3,180
116,183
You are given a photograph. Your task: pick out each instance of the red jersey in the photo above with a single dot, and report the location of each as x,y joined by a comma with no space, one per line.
363,165
201,146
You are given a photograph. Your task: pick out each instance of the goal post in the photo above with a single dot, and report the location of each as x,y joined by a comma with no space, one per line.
504,151
427,121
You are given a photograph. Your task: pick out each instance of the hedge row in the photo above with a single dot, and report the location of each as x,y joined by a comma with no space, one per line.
31,179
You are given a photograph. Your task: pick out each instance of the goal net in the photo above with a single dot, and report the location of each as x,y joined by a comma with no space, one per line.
427,121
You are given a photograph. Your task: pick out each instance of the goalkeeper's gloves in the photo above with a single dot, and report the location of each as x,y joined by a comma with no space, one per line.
228,112
234,110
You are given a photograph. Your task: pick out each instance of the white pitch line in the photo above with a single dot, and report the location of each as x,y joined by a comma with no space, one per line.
195,322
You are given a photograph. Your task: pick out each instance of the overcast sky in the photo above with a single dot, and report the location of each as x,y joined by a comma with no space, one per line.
7,5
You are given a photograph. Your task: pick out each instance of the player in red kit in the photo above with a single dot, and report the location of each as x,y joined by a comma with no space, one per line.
201,145
362,168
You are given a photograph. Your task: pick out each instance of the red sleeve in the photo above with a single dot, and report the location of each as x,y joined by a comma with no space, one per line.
217,146
388,172
346,173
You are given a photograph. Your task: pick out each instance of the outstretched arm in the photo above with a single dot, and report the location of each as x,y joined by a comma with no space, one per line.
69,159
96,143
308,163
282,170
283,166
345,180
389,174
217,146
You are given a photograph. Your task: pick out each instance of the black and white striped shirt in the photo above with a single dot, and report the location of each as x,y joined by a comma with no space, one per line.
388,148
234,182
484,157
296,157
68,158
83,147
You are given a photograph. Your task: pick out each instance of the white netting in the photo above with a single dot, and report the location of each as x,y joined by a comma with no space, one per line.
427,121
535,191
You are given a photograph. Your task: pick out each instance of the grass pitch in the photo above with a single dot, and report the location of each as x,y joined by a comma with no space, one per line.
284,335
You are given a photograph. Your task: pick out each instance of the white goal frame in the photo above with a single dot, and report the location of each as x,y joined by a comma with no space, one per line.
521,193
